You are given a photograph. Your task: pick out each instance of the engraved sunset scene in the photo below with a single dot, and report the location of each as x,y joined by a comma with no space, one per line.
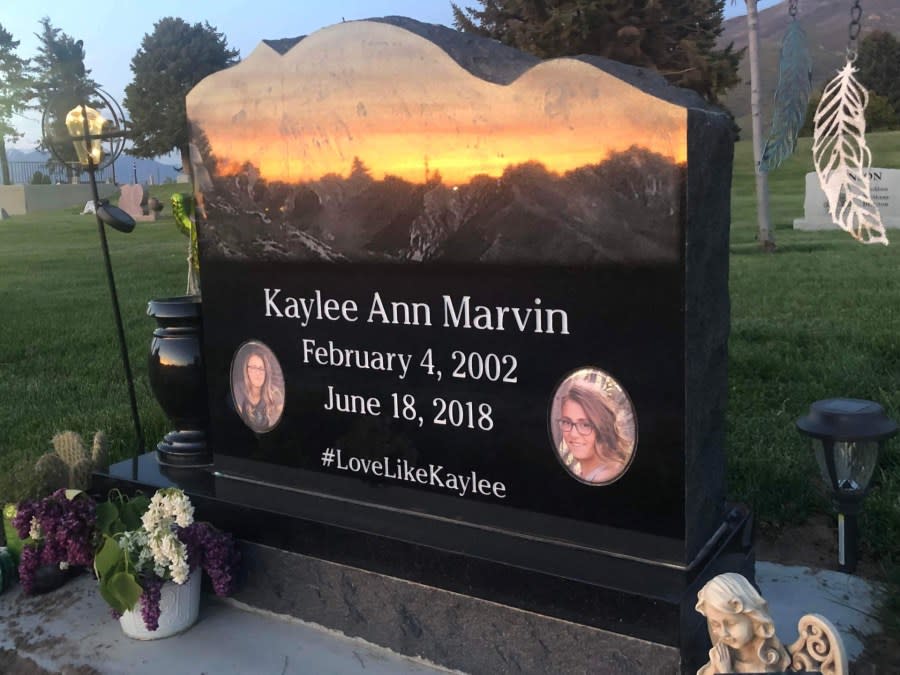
367,141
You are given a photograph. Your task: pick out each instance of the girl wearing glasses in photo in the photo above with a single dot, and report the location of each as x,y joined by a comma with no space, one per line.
258,387
594,429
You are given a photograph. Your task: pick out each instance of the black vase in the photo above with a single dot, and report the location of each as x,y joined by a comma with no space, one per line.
178,380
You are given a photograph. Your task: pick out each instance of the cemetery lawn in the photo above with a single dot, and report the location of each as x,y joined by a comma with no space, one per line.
818,318
60,366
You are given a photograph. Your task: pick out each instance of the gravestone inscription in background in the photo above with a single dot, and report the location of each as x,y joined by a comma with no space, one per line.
885,188
433,243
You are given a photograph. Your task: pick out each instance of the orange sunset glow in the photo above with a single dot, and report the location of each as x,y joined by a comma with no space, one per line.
404,107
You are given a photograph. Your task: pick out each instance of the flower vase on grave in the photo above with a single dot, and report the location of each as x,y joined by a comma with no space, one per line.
179,607
178,380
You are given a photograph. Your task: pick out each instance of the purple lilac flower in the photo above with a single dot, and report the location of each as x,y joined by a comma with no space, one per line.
150,597
67,528
29,562
215,552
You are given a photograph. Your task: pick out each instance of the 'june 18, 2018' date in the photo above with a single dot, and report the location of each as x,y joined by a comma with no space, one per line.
445,412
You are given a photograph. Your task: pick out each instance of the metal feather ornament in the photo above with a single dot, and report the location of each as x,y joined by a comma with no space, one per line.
791,98
842,158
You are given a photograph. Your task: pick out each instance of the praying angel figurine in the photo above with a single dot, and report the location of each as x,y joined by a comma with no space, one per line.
743,634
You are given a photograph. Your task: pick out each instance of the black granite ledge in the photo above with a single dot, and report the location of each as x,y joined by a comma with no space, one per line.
279,547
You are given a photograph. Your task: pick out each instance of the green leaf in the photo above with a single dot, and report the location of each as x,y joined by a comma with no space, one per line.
124,589
109,597
133,510
107,514
108,558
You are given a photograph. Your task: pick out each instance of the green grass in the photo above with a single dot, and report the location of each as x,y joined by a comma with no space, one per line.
60,366
820,317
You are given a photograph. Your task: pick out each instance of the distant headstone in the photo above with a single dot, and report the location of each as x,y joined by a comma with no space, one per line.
88,207
4,215
885,186
133,200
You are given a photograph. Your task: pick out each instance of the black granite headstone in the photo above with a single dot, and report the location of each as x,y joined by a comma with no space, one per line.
461,298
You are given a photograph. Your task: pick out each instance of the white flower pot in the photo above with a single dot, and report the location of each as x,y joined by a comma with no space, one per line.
178,609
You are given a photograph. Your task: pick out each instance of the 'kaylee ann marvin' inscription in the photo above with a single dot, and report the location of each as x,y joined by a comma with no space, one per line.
457,313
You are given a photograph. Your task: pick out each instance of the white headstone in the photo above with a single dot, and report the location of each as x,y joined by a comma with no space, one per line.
885,186
88,207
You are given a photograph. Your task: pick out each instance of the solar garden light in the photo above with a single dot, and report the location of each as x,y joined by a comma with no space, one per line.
75,121
846,435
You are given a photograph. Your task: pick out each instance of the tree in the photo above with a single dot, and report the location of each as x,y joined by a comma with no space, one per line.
879,66
14,94
765,232
61,81
676,37
169,62
880,115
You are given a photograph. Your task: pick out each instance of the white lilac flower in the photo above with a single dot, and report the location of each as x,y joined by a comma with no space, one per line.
168,507
179,507
180,571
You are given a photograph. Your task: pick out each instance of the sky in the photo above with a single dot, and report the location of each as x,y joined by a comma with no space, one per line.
112,32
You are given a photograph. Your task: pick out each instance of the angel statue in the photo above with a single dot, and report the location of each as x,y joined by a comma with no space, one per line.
744,640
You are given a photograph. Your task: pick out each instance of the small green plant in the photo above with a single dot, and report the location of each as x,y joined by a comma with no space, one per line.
70,465
185,216
115,570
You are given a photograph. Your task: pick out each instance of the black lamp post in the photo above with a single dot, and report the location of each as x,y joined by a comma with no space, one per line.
847,435
82,121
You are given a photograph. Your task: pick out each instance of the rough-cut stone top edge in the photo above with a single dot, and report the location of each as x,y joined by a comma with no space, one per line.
495,62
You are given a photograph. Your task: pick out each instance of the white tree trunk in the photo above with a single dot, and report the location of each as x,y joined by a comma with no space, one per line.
766,234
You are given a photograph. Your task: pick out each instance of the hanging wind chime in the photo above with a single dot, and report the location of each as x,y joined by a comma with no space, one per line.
791,95
840,153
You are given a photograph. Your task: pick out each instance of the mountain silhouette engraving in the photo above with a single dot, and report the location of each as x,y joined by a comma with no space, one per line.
367,142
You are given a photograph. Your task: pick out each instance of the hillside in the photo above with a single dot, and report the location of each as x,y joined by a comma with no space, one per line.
825,22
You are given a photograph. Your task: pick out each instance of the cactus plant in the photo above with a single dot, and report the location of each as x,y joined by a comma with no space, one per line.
100,452
69,447
70,465
52,473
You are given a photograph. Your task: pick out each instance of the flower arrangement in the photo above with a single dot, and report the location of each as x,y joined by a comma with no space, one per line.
148,542
56,531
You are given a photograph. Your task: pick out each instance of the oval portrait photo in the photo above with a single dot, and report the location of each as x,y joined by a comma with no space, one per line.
593,426
257,386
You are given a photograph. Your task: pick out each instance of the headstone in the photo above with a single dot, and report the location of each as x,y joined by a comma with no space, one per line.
88,207
885,189
4,215
463,300
133,200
